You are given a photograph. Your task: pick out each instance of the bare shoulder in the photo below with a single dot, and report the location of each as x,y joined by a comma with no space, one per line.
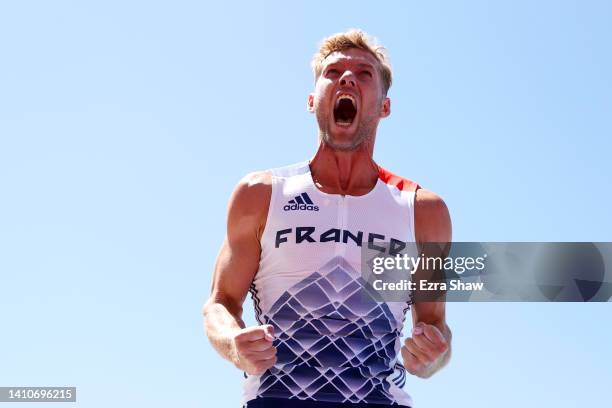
256,186
432,218
248,206
429,201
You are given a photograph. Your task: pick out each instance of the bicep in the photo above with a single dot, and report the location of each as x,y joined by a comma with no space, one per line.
235,268
432,218
238,259
433,233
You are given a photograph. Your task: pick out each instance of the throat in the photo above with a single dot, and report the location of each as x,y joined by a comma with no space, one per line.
357,180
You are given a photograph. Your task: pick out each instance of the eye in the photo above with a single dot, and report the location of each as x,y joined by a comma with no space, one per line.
332,72
366,74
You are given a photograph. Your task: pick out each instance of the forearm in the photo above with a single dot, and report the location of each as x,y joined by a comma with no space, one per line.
221,326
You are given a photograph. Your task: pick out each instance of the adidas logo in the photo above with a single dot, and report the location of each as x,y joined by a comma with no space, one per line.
301,202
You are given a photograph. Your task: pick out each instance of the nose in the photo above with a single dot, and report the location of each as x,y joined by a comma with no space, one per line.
347,79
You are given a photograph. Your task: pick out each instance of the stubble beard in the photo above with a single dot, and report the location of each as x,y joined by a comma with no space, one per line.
364,133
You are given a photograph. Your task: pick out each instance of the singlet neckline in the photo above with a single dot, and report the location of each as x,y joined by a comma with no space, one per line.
341,196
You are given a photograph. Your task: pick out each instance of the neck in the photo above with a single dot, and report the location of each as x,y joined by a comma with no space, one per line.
344,172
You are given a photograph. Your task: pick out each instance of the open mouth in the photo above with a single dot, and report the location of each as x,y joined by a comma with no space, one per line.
345,110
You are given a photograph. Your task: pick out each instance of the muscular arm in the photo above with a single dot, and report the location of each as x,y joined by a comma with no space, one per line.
236,265
429,348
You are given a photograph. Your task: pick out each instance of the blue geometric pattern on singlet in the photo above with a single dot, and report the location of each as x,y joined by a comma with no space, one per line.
334,341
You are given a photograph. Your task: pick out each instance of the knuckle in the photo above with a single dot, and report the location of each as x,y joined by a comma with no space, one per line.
429,349
240,337
413,368
408,357
240,347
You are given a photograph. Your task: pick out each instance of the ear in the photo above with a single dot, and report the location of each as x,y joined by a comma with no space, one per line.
386,108
310,103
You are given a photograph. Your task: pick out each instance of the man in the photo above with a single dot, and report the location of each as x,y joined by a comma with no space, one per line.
294,237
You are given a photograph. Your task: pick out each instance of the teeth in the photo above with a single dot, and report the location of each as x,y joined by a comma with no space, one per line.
347,96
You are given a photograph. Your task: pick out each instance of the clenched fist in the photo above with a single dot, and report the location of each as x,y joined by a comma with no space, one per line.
253,349
424,352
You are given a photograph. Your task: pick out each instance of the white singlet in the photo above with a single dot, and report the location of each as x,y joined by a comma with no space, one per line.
334,344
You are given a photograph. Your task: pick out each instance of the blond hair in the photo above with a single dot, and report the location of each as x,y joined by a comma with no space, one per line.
354,38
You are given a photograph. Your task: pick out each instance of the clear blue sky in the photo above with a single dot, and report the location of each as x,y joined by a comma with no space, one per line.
125,125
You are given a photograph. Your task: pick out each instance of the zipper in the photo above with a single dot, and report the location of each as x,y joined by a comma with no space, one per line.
342,221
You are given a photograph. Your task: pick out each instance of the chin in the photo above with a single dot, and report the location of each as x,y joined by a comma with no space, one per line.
343,139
